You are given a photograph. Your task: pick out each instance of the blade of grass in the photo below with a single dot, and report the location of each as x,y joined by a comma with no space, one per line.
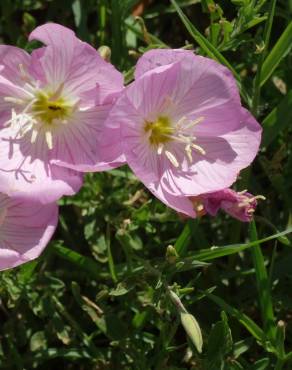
263,286
209,49
217,252
281,48
266,38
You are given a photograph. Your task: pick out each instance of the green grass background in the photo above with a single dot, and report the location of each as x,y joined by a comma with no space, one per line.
99,296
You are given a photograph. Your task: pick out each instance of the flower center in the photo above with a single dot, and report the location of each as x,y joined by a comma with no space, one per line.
48,108
159,131
163,131
42,113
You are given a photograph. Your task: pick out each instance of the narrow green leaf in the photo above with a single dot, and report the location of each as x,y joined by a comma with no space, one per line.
217,252
183,240
279,51
279,119
84,263
263,286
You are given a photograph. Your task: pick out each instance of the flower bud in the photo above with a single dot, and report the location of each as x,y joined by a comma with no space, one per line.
171,254
192,329
105,52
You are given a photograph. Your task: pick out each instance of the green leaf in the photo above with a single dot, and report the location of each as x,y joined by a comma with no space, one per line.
279,119
279,51
219,343
261,364
38,341
84,263
247,322
242,346
121,289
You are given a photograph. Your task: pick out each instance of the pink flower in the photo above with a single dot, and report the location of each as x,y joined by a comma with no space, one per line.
183,129
53,104
25,230
240,205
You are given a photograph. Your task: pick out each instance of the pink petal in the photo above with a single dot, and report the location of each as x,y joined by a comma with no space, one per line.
159,57
12,58
25,231
35,179
79,145
12,61
178,203
76,64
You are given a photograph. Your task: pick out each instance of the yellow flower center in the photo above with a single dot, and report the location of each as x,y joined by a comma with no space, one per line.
49,107
160,130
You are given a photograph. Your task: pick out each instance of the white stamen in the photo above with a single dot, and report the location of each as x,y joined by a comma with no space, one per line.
171,158
194,123
261,197
180,122
10,99
247,201
57,93
250,210
198,148
242,191
160,149
49,139
34,136
188,150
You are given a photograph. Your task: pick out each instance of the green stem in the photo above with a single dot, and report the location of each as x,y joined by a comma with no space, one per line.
264,291
280,363
102,23
111,263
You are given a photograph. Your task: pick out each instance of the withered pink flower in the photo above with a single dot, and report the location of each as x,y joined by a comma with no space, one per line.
240,205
